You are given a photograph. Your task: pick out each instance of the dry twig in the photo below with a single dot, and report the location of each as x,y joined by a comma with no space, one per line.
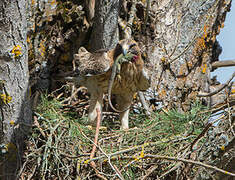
219,89
190,161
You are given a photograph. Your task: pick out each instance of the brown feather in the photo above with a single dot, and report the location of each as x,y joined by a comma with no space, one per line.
99,64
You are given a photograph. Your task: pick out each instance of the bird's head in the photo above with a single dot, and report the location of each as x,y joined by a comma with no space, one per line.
126,46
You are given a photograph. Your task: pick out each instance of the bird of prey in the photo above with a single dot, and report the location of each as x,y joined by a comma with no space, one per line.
94,72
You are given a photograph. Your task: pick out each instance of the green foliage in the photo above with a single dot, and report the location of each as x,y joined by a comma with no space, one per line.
61,141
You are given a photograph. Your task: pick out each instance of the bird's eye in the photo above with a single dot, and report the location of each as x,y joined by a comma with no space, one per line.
132,45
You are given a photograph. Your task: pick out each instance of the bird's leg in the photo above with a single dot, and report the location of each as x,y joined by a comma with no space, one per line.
123,102
96,101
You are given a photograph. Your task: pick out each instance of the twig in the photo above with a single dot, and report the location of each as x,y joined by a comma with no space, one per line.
229,117
31,175
226,63
171,170
201,134
73,94
38,126
152,169
190,161
144,103
216,109
177,165
136,147
219,89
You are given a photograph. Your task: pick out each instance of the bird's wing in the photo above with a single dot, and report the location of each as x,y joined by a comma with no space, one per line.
144,81
91,64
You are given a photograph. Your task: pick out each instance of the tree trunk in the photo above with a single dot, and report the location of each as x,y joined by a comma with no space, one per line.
105,30
180,41
15,117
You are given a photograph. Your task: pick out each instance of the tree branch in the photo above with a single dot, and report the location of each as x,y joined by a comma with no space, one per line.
190,161
219,89
226,63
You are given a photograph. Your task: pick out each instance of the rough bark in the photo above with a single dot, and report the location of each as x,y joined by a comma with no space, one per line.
15,110
180,46
105,30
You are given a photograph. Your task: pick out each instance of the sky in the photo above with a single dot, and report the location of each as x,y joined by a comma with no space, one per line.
226,39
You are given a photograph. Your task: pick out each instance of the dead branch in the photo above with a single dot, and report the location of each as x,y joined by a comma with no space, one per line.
135,147
150,171
190,161
144,103
201,134
219,89
226,63
38,126
218,108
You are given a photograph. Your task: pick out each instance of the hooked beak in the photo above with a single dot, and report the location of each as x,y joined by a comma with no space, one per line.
126,48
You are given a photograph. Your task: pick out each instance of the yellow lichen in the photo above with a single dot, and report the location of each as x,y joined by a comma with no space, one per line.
205,31
28,39
5,98
233,90
204,68
17,51
201,43
162,93
87,161
163,59
142,152
42,48
12,123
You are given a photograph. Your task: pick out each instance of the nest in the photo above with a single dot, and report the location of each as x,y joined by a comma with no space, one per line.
60,145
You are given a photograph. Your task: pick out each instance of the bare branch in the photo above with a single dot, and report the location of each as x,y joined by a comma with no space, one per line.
144,103
226,63
218,90
190,161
